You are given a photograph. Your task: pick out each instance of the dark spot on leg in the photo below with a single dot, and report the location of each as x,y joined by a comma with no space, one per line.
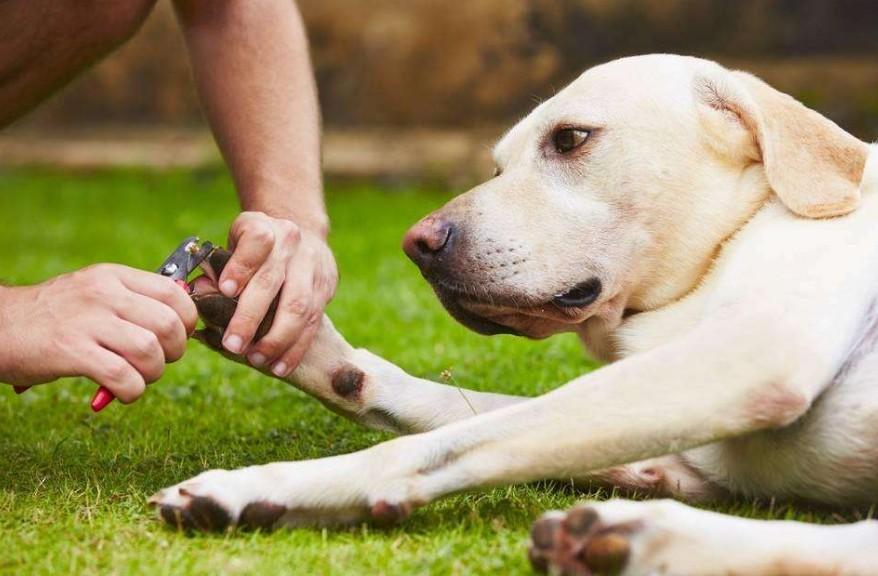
261,515
386,514
347,382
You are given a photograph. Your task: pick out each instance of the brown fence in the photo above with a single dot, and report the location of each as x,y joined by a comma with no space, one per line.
470,63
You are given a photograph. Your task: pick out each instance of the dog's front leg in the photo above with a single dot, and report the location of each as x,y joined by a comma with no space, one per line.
374,392
356,383
727,377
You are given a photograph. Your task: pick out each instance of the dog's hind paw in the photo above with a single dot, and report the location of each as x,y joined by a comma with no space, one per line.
617,537
578,543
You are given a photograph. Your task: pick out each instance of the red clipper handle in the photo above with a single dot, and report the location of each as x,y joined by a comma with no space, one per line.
104,396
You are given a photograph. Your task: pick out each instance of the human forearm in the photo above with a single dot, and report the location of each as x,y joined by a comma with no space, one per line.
252,70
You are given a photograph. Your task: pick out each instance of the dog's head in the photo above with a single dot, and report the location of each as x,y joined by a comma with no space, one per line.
616,193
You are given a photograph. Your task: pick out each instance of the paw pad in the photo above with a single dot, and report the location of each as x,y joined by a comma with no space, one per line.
199,513
578,543
261,516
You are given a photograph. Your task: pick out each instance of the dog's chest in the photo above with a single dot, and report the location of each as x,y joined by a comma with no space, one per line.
776,257
831,453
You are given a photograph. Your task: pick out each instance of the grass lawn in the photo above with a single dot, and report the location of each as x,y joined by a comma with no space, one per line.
73,485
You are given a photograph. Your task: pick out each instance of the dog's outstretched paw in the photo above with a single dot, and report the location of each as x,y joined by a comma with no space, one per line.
191,512
215,502
291,494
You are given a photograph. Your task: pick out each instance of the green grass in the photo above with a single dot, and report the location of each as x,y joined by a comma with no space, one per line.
73,485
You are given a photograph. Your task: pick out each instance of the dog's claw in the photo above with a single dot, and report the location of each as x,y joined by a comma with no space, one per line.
216,261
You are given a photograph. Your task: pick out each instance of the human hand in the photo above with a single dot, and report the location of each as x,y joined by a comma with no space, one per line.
271,257
115,325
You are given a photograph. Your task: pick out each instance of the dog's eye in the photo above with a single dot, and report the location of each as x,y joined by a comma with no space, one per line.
569,139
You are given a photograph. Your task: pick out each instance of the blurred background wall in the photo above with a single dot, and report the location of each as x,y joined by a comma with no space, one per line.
472,66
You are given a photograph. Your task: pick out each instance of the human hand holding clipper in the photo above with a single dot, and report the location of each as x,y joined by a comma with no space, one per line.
113,324
178,266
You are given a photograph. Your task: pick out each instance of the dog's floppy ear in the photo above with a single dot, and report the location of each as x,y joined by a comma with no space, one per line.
812,165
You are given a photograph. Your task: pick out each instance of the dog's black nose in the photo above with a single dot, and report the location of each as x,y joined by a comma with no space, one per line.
427,240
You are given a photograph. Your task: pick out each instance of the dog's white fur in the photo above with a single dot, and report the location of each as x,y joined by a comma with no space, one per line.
736,236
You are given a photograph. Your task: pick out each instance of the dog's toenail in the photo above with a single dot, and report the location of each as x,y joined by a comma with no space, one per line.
347,382
580,520
543,532
607,553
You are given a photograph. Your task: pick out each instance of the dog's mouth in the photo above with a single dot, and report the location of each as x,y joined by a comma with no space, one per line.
521,315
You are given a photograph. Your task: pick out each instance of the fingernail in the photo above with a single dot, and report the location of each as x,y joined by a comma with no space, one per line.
233,344
256,359
229,288
279,369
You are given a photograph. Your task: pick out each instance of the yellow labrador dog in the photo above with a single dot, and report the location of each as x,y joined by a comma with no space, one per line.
716,243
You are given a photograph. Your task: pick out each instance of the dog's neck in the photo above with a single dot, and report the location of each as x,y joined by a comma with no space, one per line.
680,251
684,246
687,256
